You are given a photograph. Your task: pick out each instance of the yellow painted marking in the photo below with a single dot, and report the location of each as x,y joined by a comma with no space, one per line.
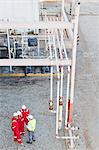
28,75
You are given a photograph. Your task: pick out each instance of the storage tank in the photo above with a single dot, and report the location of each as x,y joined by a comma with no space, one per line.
19,10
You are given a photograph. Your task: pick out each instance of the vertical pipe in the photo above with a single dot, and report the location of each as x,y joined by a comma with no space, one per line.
51,82
73,61
67,96
71,140
22,45
51,91
46,19
58,84
61,85
14,49
68,87
62,9
61,100
70,9
38,48
8,39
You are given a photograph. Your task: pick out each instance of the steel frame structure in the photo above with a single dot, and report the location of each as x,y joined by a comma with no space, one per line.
56,30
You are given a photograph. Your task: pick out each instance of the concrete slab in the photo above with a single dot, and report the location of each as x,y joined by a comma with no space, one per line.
87,80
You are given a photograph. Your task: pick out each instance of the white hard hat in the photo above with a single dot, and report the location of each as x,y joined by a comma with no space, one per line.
15,114
19,113
30,117
23,107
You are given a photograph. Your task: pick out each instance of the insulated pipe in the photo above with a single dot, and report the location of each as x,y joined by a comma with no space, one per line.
70,9
61,81
68,87
51,91
61,85
15,48
22,46
67,96
8,39
58,84
61,100
68,137
38,48
74,60
51,82
71,140
62,9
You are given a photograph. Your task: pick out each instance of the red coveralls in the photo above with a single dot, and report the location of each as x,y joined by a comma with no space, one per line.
25,113
21,124
15,129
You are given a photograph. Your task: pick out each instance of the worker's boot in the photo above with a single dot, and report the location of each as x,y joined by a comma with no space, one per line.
28,142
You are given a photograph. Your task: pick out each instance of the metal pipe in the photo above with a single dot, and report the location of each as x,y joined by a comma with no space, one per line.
22,46
71,140
77,7
69,31
61,81
68,87
33,62
58,84
14,48
37,25
67,96
38,48
8,39
51,81
51,90
61,85
67,137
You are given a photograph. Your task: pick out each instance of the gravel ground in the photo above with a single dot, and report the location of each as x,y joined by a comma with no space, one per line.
34,92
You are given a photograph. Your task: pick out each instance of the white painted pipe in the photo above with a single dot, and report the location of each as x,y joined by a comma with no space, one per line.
58,84
71,140
61,100
74,52
38,48
77,8
67,137
14,49
53,111
68,86
72,128
61,84
8,40
67,96
51,81
22,46
61,79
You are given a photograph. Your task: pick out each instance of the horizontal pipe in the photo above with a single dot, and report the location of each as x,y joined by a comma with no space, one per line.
72,128
36,25
33,62
53,111
67,137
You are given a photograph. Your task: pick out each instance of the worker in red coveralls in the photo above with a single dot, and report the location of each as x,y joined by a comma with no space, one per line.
25,113
15,129
20,122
